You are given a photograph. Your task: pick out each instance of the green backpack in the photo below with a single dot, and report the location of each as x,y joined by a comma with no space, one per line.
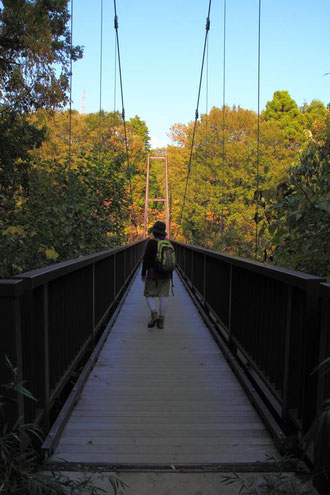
165,258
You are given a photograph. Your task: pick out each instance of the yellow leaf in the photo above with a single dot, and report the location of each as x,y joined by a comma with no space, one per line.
51,254
13,230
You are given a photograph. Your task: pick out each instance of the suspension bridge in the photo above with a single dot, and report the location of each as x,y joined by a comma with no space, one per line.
223,385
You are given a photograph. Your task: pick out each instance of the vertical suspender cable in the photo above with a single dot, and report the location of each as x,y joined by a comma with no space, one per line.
258,140
206,130
122,101
101,74
101,57
115,79
223,118
70,136
207,27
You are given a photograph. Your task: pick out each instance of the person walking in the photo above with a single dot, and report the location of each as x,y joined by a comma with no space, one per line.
156,277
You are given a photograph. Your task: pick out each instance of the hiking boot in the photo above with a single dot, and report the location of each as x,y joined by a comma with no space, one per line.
153,319
160,322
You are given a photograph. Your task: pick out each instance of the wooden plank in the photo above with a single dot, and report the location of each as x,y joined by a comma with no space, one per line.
183,448
208,416
229,440
150,459
162,396
161,434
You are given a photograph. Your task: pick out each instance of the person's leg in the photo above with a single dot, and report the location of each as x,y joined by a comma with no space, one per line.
153,310
151,304
163,305
150,292
163,302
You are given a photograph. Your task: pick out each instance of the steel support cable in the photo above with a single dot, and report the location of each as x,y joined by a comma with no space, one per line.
207,28
101,77
258,138
70,135
115,80
122,101
206,130
223,117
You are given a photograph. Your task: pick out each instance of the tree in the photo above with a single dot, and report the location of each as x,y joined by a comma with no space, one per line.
221,204
314,113
35,53
301,227
69,211
283,109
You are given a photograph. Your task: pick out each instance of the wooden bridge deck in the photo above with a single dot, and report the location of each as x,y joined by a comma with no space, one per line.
162,396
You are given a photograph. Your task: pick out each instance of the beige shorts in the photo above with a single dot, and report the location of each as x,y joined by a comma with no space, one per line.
157,288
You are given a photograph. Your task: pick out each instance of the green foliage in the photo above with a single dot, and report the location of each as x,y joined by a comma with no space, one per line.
301,218
69,211
283,109
292,222
275,482
23,471
318,436
35,51
221,201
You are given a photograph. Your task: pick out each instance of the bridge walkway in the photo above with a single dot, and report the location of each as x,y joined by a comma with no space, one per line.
162,396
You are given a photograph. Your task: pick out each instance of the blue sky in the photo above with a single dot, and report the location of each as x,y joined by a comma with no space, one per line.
161,44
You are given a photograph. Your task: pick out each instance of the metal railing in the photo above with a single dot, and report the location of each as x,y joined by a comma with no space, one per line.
275,321
52,317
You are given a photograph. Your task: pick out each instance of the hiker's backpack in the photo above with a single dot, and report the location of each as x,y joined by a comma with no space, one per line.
165,258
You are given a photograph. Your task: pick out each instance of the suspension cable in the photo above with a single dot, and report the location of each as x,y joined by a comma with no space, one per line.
207,28
115,80
223,118
122,101
101,77
101,58
206,130
258,139
70,134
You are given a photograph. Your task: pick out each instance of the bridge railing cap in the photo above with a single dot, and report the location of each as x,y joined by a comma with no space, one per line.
285,275
11,287
37,277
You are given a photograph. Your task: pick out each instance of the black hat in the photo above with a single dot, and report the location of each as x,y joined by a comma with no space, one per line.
159,228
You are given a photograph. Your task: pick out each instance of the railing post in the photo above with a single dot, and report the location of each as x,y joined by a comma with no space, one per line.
93,305
46,355
311,351
204,278
231,343
287,382
230,297
324,348
114,276
184,261
11,341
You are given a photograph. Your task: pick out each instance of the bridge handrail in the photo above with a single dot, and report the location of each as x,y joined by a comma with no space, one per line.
284,274
45,274
52,317
270,317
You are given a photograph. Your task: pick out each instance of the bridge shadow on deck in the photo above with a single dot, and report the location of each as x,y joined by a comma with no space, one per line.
162,396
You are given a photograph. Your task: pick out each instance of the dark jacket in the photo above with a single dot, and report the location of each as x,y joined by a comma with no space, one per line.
148,265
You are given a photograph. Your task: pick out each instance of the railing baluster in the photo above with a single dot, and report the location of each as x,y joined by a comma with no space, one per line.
61,315
11,342
46,369
204,278
286,387
279,349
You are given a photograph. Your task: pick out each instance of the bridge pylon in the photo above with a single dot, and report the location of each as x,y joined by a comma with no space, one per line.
165,200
